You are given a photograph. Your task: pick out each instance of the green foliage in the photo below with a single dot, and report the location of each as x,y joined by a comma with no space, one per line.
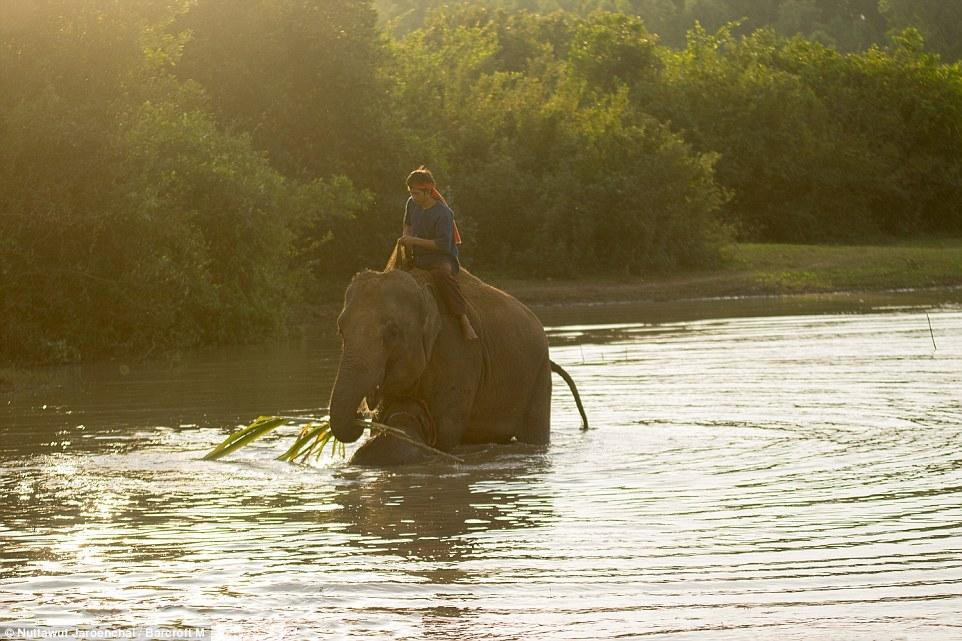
850,25
314,436
940,21
129,220
308,81
304,77
262,426
218,255
557,173
611,50
807,133
182,172
328,217
653,208
783,268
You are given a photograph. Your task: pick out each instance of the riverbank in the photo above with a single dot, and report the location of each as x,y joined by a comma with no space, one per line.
749,270
766,269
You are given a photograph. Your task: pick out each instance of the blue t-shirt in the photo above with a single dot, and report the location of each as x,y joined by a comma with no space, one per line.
434,223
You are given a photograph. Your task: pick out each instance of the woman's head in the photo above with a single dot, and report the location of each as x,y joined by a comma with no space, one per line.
421,187
421,176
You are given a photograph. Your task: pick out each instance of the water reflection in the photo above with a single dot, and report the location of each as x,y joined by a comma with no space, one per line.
430,514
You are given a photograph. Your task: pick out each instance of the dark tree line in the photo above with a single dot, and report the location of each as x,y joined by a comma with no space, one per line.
179,172
848,25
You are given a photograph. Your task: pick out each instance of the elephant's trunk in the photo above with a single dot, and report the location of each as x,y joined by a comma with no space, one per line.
355,380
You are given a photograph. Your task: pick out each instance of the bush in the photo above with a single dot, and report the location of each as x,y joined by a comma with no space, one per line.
817,145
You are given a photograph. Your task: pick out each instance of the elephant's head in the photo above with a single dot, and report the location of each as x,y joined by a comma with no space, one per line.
388,327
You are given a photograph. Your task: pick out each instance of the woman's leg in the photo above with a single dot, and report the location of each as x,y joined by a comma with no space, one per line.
453,299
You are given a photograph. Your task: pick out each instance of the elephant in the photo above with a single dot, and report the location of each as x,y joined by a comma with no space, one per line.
404,356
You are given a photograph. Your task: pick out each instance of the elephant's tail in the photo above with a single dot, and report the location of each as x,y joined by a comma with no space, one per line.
557,369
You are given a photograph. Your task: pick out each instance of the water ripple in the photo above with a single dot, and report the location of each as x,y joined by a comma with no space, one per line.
795,476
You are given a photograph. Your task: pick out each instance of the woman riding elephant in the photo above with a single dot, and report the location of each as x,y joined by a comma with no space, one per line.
430,232
398,346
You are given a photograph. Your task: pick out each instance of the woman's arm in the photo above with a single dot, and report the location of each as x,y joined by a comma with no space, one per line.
413,241
440,244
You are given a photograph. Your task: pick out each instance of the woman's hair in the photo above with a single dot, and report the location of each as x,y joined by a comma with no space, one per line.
420,176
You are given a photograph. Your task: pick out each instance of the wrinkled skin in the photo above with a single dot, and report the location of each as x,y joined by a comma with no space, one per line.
397,344
408,416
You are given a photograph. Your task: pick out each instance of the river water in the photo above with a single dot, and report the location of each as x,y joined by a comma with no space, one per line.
763,468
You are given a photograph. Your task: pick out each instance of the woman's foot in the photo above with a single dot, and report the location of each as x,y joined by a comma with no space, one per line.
467,330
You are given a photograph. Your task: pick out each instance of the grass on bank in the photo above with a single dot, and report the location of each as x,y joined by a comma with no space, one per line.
791,268
749,269
769,269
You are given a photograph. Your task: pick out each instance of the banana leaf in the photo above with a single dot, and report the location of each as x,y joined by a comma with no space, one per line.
314,436
261,426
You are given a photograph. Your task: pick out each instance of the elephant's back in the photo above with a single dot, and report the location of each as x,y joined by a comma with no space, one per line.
515,351
504,322
500,311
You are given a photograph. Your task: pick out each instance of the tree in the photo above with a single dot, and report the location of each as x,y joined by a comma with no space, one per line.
940,21
556,172
129,219
303,76
806,132
609,50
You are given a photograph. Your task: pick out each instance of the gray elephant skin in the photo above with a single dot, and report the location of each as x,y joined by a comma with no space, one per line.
407,358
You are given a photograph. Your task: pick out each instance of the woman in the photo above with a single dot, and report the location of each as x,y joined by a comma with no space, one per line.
430,233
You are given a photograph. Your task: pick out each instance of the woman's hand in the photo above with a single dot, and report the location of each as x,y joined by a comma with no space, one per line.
413,241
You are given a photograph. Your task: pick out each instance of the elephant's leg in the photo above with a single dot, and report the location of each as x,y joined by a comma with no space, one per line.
451,428
450,405
536,427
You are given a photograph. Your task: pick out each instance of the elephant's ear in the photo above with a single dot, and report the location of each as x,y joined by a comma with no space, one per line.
431,317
